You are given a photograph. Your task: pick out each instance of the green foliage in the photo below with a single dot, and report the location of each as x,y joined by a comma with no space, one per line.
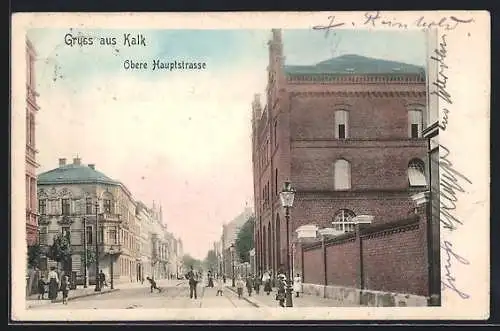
189,261
91,256
211,261
34,255
60,250
244,240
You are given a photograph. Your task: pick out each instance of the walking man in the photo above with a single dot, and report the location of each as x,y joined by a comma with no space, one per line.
153,285
193,281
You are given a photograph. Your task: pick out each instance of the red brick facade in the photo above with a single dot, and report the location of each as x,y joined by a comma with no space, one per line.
294,138
31,164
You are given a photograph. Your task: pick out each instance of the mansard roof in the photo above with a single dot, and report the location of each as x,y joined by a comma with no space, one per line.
74,174
351,64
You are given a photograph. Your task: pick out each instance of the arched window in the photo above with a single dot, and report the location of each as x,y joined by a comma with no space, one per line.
341,124
342,175
416,173
343,220
415,123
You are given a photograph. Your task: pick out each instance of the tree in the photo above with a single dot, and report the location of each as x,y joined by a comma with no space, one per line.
211,261
60,250
244,240
91,257
34,254
190,261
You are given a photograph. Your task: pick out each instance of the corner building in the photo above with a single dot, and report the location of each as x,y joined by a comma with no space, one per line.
347,133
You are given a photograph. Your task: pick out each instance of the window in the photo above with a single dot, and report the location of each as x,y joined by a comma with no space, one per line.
66,232
276,181
89,234
343,220
416,173
107,206
65,206
32,130
341,124
101,234
42,206
342,175
112,238
88,206
43,235
275,133
27,182
415,123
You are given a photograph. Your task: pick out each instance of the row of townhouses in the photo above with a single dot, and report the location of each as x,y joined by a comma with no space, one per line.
97,213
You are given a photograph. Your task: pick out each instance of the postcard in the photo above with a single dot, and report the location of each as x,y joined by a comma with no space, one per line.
250,166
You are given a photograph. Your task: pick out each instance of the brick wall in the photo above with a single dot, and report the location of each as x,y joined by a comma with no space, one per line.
342,264
394,258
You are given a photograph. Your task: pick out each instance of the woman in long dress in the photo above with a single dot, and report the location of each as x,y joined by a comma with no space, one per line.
266,280
53,284
297,285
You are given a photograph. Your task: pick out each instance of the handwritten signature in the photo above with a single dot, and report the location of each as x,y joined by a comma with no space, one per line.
449,187
439,56
376,19
449,279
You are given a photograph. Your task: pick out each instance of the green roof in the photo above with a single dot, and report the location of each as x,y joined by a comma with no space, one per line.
74,174
350,64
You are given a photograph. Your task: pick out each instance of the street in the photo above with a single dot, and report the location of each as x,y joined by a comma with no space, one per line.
172,296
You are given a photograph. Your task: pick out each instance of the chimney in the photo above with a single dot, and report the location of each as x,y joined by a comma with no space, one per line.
92,166
62,162
77,161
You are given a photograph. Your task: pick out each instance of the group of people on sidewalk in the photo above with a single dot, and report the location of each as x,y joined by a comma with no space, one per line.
53,285
254,282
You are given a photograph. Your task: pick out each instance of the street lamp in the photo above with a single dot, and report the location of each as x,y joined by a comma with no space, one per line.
97,282
111,256
231,249
85,256
287,196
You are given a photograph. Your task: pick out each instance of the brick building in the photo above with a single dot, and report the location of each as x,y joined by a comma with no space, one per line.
347,132
31,164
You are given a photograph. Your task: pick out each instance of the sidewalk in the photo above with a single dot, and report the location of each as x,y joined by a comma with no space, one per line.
305,300
81,292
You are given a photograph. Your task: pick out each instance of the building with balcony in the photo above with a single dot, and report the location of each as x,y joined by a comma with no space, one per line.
31,165
94,212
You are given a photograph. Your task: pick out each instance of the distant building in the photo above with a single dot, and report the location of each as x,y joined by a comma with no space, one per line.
347,133
31,165
229,234
67,197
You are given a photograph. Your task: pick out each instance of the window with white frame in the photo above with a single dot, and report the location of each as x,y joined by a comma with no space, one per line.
415,123
416,173
341,124
343,220
342,175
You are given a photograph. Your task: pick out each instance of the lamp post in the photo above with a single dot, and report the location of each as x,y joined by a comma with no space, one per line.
111,256
287,196
231,249
97,281
85,256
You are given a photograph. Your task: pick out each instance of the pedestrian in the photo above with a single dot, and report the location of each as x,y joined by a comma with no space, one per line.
220,286
224,278
102,279
53,284
210,280
192,278
153,285
280,295
249,284
240,284
266,280
256,281
297,285
41,288
65,288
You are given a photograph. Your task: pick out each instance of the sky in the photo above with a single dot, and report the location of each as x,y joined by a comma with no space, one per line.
182,139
